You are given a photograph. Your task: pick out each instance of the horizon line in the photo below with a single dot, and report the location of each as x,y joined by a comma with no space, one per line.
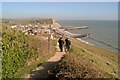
55,18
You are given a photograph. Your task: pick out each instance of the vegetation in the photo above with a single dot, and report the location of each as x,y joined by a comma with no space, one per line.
95,61
84,61
0,51
45,21
15,51
105,60
72,67
22,52
27,21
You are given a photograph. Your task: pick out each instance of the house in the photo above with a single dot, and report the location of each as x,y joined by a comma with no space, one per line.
14,26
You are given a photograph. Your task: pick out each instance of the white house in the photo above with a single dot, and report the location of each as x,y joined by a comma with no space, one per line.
14,26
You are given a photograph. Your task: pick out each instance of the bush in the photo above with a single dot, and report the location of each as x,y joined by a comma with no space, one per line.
15,51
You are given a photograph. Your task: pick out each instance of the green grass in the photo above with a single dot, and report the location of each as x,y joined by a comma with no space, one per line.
81,63
18,49
97,61
27,69
15,51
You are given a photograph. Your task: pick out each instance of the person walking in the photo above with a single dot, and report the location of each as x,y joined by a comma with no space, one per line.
61,43
67,45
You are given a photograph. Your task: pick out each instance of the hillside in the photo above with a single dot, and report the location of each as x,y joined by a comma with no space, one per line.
22,53
86,61
27,21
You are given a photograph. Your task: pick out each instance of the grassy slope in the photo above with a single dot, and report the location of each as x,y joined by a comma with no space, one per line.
35,44
87,58
103,59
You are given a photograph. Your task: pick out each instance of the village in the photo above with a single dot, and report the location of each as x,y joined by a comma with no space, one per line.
38,27
50,27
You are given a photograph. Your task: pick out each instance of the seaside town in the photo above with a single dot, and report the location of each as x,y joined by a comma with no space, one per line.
37,27
59,41
48,29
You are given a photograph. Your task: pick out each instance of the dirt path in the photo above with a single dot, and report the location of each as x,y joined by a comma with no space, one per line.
43,70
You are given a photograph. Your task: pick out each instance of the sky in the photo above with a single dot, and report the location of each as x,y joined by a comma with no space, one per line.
61,10
60,0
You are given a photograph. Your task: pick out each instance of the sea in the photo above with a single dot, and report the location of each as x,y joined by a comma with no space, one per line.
104,33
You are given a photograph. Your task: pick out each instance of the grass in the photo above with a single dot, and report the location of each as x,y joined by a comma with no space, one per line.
15,51
71,66
27,69
98,57
27,21
84,61
43,55
98,62
88,58
22,53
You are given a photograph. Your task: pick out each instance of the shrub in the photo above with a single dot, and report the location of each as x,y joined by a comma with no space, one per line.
15,51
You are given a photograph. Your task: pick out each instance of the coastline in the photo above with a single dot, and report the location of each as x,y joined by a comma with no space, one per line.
96,56
85,41
69,33
99,57
92,44
99,45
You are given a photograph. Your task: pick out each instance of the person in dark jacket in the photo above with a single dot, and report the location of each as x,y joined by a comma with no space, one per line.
61,43
67,45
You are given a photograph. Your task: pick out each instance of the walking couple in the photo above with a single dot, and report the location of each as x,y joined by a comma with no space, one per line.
67,44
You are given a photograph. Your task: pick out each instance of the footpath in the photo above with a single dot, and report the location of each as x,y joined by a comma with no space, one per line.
43,70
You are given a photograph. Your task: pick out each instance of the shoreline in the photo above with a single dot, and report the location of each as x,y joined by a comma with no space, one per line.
96,44
69,33
85,41
92,44
79,38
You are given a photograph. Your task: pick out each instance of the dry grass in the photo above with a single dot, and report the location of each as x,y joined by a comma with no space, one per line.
72,67
98,62
42,45
105,60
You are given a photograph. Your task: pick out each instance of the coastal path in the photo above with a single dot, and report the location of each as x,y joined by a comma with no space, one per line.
43,70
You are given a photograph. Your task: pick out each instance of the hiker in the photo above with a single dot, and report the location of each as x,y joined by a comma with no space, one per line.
61,43
67,45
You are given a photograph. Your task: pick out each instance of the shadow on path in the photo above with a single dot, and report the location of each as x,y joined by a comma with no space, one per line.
43,71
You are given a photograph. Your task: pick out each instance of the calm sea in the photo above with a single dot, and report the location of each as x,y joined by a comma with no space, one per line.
104,33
